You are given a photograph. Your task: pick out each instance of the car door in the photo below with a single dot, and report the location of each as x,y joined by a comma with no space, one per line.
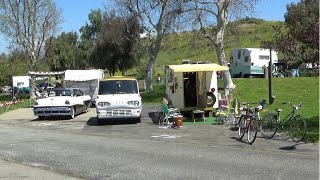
78,99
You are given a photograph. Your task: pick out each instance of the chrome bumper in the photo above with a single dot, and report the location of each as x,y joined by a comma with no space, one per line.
118,113
52,111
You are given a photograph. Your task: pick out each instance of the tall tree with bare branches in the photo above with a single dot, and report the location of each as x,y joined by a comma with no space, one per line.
28,23
157,18
213,16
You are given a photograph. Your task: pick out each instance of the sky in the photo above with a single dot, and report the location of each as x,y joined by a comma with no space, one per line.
75,13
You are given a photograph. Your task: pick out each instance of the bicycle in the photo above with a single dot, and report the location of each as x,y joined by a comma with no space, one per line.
227,114
248,123
272,122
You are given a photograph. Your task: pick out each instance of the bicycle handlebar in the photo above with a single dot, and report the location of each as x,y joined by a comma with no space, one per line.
295,107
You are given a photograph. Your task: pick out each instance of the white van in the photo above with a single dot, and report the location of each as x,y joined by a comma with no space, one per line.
118,98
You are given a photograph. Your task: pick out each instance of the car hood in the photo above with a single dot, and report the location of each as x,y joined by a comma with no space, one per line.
55,101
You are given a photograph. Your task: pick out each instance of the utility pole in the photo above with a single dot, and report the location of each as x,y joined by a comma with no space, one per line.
271,98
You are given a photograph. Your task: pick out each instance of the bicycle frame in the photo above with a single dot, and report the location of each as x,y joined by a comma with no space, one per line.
281,122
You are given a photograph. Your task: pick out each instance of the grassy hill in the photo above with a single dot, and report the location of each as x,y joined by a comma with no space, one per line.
194,46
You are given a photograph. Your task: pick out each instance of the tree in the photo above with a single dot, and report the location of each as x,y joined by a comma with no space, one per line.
64,52
88,37
13,64
298,40
28,24
216,14
157,18
116,42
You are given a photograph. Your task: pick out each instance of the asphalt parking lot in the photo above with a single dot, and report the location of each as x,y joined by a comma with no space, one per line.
149,128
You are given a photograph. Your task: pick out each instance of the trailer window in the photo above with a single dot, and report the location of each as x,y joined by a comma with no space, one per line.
239,54
264,57
246,59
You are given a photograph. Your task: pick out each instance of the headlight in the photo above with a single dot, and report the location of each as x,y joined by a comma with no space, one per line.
67,102
133,103
103,104
36,103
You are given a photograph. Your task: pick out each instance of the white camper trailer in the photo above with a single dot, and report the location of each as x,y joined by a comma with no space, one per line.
21,84
249,62
86,80
192,86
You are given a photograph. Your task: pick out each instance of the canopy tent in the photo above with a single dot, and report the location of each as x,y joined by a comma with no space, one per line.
34,73
198,67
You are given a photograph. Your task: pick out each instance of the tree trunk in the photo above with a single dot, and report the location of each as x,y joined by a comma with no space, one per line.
149,73
219,46
153,53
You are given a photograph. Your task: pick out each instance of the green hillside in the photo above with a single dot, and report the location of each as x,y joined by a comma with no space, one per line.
194,46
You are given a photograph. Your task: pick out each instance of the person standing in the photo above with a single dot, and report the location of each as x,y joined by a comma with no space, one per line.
158,79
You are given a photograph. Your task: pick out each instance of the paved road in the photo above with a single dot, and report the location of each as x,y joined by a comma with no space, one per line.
79,148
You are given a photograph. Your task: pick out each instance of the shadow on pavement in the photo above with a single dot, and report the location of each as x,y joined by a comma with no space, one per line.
154,117
94,122
56,118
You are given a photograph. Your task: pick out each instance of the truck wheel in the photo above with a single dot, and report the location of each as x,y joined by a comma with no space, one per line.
138,120
98,121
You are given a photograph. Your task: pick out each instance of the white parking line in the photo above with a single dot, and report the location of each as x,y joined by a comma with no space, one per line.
166,136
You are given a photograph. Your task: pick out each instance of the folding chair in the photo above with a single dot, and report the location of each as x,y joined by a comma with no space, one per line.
167,114
227,114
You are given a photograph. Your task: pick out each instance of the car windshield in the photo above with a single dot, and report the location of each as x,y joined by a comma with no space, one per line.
118,87
62,92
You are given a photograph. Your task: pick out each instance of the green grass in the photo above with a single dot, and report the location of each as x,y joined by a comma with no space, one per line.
295,90
154,96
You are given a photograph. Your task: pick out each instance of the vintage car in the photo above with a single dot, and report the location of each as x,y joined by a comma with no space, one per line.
62,102
118,98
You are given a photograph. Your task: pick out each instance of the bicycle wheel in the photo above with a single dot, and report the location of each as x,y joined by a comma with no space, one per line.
231,119
298,128
242,127
221,119
269,125
252,130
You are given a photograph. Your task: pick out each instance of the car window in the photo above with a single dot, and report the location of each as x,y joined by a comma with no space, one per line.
118,87
63,92
77,92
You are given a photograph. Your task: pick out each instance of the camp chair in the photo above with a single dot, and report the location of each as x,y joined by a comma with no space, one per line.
228,114
167,114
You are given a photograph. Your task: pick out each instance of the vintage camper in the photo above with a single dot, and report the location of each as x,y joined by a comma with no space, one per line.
192,86
249,62
86,80
21,84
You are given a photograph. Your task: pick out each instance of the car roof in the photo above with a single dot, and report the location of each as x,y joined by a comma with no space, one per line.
119,78
62,89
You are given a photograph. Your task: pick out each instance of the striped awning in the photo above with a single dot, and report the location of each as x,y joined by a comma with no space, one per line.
39,73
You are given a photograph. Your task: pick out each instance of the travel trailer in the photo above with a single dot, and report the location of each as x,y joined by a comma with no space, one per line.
192,86
250,62
86,80
21,84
